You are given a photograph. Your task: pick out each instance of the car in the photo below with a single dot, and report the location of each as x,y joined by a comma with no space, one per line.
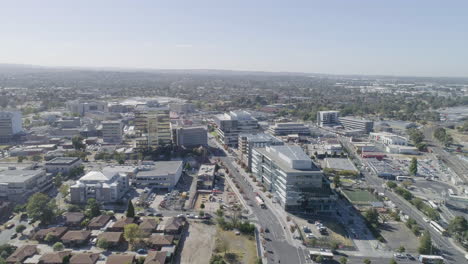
10,225
309,236
94,241
267,230
142,251
399,256
410,257
14,236
427,220
158,214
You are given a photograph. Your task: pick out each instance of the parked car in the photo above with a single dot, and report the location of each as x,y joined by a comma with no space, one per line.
142,251
10,225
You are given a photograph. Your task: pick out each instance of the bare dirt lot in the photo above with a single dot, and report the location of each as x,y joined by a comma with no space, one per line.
198,244
395,232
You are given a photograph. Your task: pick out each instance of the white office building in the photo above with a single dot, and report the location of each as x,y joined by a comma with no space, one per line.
247,142
159,174
328,118
388,138
191,136
17,184
353,123
284,129
81,108
10,125
296,183
112,131
230,125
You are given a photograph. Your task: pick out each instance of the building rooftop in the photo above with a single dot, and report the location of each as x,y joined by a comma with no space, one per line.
340,164
290,158
160,168
62,161
260,137
18,176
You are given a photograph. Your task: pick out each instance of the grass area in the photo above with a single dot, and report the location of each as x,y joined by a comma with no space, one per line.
2,147
359,196
213,133
235,248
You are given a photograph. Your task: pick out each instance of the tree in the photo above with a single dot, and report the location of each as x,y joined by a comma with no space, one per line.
337,181
41,207
343,260
36,158
319,259
372,216
393,261
93,208
58,246
367,261
102,243
458,227
64,190
217,259
401,249
407,183
391,185
132,232
21,158
49,238
77,142
425,244
20,228
413,168
58,180
202,206
130,209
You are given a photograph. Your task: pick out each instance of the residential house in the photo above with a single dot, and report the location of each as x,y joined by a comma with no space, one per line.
55,257
148,225
73,238
84,258
74,218
113,238
21,254
156,257
121,259
171,226
157,241
99,222
55,232
119,225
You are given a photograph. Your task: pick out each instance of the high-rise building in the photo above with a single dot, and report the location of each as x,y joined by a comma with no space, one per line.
112,131
247,142
283,129
81,108
191,136
153,126
353,123
294,180
230,125
182,108
327,118
10,125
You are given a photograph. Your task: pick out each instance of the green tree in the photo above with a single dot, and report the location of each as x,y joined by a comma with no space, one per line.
367,261
20,228
393,261
41,207
458,226
130,209
93,208
49,238
36,158
21,158
413,168
77,142
58,180
343,260
425,244
202,206
102,243
401,249
337,181
391,185
372,216
319,259
132,232
58,246
64,190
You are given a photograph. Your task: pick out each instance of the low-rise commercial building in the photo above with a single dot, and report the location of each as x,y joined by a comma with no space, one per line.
388,138
62,164
105,187
292,177
283,129
18,184
159,174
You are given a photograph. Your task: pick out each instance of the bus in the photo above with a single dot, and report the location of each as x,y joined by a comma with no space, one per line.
325,254
433,204
260,202
404,178
429,259
451,192
439,229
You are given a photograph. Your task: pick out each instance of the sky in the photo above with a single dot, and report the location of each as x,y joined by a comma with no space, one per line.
392,37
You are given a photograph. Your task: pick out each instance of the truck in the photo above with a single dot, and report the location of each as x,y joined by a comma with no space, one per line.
260,202
433,204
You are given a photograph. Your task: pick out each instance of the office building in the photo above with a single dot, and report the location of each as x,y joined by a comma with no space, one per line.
152,125
296,183
105,187
230,125
112,131
247,142
352,123
388,138
206,177
10,125
18,183
182,108
328,118
284,129
190,136
81,108
62,164
159,174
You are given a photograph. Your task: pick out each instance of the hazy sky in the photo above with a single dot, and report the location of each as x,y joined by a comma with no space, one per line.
400,37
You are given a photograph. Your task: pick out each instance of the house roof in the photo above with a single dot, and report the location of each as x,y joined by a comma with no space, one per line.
173,223
74,217
122,222
160,240
120,259
55,231
96,176
148,223
77,235
22,253
54,257
84,258
113,237
99,221
156,257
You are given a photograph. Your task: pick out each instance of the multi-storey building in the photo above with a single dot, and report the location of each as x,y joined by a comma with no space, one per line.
247,142
17,184
327,118
182,108
159,174
283,129
81,108
10,125
62,164
153,126
190,136
230,125
352,123
105,187
112,131
292,177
